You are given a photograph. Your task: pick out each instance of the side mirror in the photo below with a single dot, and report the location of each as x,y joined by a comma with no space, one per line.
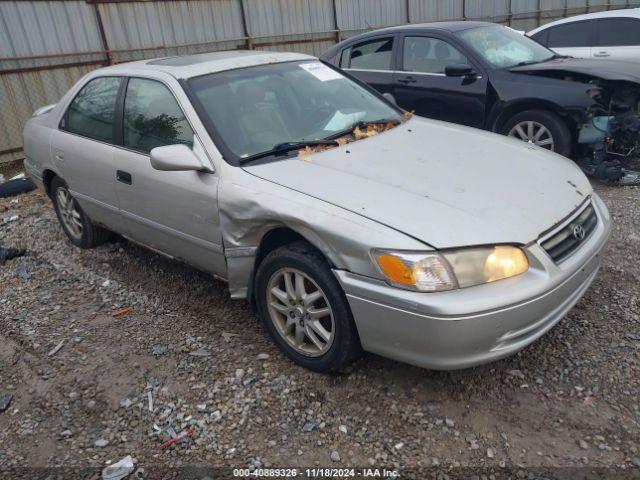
175,158
459,70
390,97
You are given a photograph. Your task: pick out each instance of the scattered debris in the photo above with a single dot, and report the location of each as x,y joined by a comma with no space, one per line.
310,427
158,350
343,429
16,185
122,311
263,356
201,352
5,401
632,336
106,283
516,373
177,438
228,336
10,253
101,442
150,400
119,470
55,349
335,456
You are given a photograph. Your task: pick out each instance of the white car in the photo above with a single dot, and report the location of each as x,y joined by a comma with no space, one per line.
610,34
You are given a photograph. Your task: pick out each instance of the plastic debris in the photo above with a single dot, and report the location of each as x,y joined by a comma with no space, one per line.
177,438
119,470
632,336
150,399
55,349
122,311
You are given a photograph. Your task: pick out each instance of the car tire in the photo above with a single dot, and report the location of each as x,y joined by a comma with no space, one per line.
78,227
336,344
540,122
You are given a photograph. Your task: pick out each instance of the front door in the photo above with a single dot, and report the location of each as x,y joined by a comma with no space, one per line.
422,87
173,212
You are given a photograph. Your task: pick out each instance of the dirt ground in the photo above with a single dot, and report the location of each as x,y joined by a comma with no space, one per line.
88,388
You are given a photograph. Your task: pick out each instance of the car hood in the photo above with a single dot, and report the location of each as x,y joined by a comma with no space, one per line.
441,183
604,69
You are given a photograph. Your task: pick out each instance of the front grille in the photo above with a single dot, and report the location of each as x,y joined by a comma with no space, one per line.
565,241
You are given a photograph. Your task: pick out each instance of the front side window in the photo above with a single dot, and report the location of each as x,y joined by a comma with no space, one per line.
429,55
576,34
374,55
152,117
618,32
502,47
254,109
91,113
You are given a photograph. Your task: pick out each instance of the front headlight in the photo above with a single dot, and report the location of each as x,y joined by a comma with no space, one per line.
432,272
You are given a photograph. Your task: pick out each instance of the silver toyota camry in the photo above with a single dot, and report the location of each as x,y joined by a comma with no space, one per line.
348,223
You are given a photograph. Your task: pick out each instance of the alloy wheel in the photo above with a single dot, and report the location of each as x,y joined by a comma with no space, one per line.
69,212
300,311
533,132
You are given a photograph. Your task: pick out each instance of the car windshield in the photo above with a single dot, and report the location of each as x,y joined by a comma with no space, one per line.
503,47
255,109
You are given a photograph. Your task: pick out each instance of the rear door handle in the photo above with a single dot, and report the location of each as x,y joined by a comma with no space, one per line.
601,54
407,79
124,177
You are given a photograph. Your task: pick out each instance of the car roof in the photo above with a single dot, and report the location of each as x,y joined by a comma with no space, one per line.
625,12
187,66
453,26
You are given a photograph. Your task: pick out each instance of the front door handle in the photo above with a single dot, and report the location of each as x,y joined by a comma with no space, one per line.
601,54
407,79
124,177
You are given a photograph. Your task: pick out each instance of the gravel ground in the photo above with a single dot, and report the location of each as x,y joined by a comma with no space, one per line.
81,379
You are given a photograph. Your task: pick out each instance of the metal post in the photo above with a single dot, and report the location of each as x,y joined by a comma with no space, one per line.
335,22
408,7
464,9
248,41
540,12
510,17
103,37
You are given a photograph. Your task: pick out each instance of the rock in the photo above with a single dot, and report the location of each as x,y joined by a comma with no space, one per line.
582,444
516,373
158,350
490,452
101,442
343,429
126,403
335,456
309,427
106,283
5,401
66,433
398,445
449,423
636,461
239,374
263,356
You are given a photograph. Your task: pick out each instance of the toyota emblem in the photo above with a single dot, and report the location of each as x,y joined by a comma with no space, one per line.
578,232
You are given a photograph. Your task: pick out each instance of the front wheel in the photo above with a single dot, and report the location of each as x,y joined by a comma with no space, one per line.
304,309
542,128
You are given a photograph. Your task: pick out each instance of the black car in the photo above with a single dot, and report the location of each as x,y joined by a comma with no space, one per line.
489,76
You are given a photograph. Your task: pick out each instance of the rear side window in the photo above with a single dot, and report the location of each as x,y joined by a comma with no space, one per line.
429,55
373,55
576,34
91,112
152,117
618,32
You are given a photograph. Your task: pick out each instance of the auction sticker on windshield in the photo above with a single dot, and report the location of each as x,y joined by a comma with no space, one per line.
320,71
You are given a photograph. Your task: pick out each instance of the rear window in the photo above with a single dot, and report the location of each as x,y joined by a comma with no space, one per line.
91,113
373,55
618,32
576,34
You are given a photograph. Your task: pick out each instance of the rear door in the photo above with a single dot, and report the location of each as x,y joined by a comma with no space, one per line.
422,86
173,212
83,148
372,61
574,39
617,38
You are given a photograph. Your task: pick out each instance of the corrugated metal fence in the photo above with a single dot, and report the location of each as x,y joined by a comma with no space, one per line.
46,46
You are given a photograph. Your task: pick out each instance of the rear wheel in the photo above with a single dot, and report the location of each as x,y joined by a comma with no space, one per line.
75,223
542,128
304,309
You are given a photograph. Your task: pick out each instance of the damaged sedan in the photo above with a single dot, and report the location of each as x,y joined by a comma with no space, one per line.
347,222
489,76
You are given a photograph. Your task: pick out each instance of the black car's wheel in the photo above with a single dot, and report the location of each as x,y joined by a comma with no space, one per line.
75,223
541,128
304,309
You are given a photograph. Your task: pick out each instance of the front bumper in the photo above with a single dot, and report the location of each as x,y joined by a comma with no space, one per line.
470,326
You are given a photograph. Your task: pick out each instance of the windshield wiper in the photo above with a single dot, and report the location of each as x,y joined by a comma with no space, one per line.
362,124
285,147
